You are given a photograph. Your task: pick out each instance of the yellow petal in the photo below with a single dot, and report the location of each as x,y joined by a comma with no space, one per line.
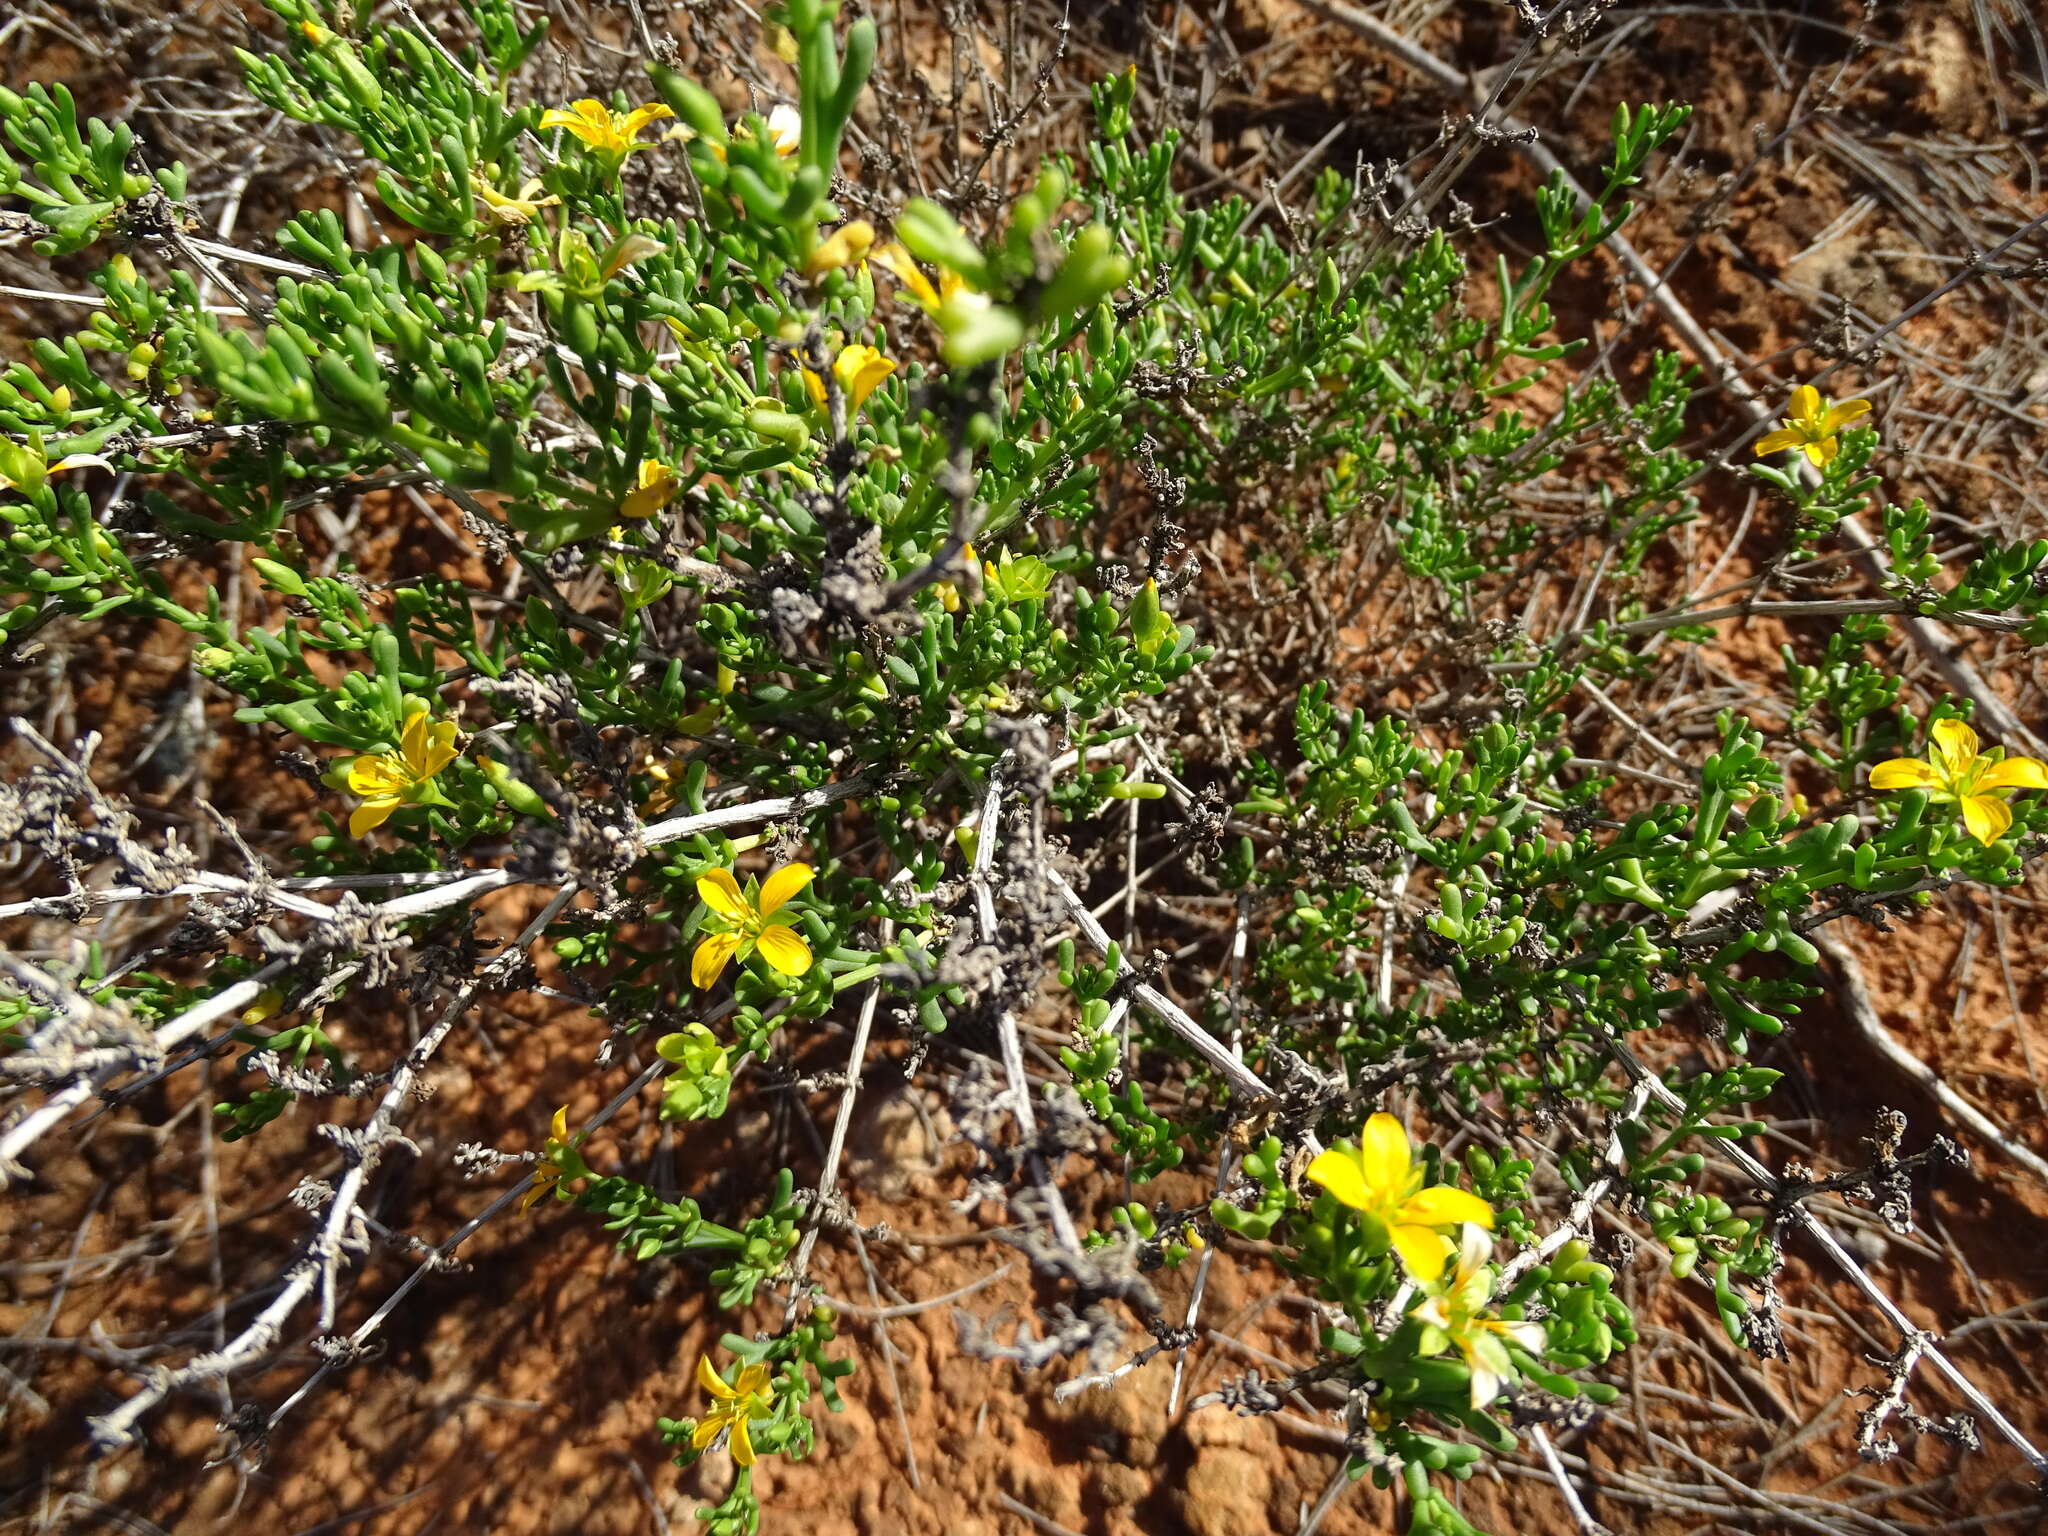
412,742
847,244
1442,1205
869,379
1822,453
710,1380
752,1379
713,952
1904,773
742,1442
859,369
721,893
2014,773
514,210
534,1196
1955,748
629,250
559,1125
1839,416
640,117
587,120
654,489
1383,1157
572,118
905,270
815,388
1475,1247
1986,818
707,1430
1423,1253
440,748
268,1002
377,776
1435,1312
780,888
369,816
1778,442
784,949
1806,406
1340,1174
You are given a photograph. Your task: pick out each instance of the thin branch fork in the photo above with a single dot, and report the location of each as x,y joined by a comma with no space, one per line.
317,1267
436,1258
1770,1183
341,1229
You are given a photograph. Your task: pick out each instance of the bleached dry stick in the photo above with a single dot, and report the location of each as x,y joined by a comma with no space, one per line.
459,888
1581,1215
438,1256
982,877
1213,1051
320,1265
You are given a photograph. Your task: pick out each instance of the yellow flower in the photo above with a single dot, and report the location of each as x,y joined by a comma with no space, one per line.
1381,1181
23,468
387,780
848,243
1454,1315
665,790
746,1398
654,488
903,267
785,132
1812,426
953,286
949,595
1956,773
559,1160
610,133
858,368
785,129
906,271
515,210
269,1002
625,252
747,917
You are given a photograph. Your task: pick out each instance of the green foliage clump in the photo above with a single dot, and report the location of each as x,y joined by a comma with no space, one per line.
815,535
